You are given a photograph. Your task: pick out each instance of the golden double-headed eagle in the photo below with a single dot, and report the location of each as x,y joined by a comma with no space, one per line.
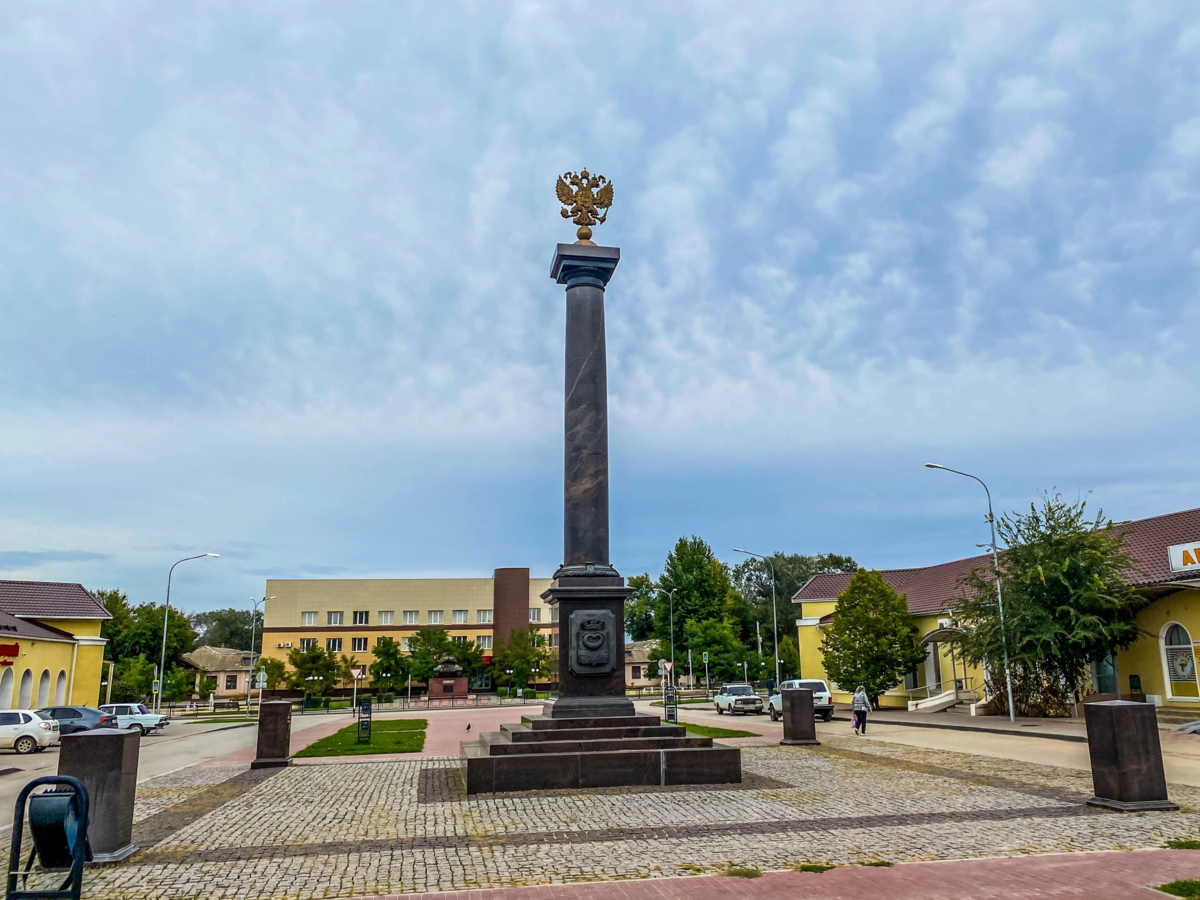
587,204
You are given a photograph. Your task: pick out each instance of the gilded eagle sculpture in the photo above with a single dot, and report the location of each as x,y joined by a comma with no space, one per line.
587,204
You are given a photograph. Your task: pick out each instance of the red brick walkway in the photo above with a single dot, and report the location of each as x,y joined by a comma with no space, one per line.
1096,876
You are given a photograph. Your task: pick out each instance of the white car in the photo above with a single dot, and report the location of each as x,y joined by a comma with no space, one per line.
738,698
27,732
135,717
822,699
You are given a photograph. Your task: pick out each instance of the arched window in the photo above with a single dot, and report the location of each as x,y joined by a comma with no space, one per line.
1180,658
44,689
26,689
6,686
60,688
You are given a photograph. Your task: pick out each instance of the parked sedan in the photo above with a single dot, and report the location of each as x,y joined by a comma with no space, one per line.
738,698
135,717
822,699
79,718
27,732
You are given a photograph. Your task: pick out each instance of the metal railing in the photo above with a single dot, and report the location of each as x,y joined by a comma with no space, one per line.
965,688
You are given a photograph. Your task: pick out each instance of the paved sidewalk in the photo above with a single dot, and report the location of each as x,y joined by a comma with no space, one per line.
1104,876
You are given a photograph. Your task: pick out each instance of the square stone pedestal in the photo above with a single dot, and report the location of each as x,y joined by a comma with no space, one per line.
799,721
106,761
1127,766
274,735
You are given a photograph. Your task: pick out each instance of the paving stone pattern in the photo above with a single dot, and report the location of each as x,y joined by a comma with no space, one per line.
360,829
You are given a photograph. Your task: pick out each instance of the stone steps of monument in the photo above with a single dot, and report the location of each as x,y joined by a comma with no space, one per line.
639,721
523,732
498,744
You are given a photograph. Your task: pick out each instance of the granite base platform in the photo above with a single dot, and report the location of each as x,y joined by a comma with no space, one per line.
547,753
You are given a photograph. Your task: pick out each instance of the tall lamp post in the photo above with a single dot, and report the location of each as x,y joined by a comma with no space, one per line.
162,666
774,613
253,621
671,605
1012,715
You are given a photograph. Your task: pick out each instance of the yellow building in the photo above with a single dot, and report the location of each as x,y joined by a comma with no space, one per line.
51,652
1160,667
349,616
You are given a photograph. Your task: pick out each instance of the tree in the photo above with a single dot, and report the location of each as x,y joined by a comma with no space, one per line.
179,684
702,591
720,640
872,640
314,671
275,669
228,627
136,674
789,658
387,671
1066,604
525,652
208,687
116,604
639,608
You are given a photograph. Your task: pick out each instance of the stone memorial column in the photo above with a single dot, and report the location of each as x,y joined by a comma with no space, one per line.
106,761
799,721
274,735
1127,765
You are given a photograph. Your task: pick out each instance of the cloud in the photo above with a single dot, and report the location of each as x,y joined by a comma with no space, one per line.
11,560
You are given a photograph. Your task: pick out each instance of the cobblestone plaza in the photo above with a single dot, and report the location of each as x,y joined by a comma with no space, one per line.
370,828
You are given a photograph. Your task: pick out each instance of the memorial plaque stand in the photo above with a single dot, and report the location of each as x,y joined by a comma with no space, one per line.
274,735
799,721
105,760
1127,766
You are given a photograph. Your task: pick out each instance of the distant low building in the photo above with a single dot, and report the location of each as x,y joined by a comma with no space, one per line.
637,660
51,651
230,668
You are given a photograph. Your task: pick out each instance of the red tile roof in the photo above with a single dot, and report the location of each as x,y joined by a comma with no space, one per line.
49,599
935,588
12,627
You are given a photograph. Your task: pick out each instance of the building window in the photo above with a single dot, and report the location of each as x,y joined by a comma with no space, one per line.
358,645
305,643
333,618
483,641
387,617
1181,662
362,617
554,614
412,616
553,642
333,644
483,616
635,672
436,616
308,618
406,644
459,638
231,682
535,614
460,617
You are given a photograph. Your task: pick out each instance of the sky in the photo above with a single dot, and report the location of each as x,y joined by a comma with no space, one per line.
274,279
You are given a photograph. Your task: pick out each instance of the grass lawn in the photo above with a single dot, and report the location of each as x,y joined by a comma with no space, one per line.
395,736
1189,887
709,731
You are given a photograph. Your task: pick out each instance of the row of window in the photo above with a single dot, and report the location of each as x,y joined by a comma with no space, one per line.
359,644
413,617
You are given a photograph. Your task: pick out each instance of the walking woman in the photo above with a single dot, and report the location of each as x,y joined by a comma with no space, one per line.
860,704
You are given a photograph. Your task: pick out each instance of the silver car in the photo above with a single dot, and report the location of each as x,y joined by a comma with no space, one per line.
27,732
135,717
738,698
822,699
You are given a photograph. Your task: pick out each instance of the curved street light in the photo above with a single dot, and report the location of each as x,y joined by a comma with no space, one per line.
671,602
1012,714
774,614
162,666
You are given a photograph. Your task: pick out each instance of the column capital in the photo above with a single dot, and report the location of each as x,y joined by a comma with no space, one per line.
576,264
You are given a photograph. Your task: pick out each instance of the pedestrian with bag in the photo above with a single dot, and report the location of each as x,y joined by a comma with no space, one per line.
860,705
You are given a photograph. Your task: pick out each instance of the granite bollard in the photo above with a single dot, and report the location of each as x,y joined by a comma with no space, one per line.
1127,765
106,761
799,721
274,735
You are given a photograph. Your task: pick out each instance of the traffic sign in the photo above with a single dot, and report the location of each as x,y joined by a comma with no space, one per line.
157,687
668,667
704,656
358,673
261,681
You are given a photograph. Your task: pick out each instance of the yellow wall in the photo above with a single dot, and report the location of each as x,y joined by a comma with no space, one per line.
44,661
1146,659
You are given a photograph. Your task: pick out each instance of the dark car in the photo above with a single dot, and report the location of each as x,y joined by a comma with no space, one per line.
79,718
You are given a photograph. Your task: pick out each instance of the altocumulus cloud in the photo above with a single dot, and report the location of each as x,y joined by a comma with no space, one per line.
274,278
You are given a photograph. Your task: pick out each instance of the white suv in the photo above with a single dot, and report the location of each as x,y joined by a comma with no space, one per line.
135,717
27,732
822,699
738,698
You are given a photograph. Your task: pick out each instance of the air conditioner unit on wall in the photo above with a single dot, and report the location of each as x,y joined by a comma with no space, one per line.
288,644
279,646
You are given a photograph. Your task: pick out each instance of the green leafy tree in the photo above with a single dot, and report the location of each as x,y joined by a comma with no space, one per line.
276,671
179,684
639,608
116,604
314,670
789,658
228,627
137,630
872,640
702,590
1067,603
525,652
389,668
720,640
138,673
208,687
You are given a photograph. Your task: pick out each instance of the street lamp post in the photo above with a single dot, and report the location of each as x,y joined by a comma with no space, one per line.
671,605
253,621
162,667
1012,714
774,613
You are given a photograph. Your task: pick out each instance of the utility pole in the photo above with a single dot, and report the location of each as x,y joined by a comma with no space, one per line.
758,631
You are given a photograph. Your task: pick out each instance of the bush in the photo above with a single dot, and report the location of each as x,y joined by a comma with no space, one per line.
386,697
124,692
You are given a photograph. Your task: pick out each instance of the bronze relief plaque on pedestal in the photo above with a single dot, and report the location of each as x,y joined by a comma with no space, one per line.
593,644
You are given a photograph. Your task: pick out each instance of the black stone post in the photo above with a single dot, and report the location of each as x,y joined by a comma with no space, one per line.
587,591
799,721
1127,766
274,735
106,761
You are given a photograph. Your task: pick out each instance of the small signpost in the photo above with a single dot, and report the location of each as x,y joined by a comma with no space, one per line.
364,721
357,674
670,697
